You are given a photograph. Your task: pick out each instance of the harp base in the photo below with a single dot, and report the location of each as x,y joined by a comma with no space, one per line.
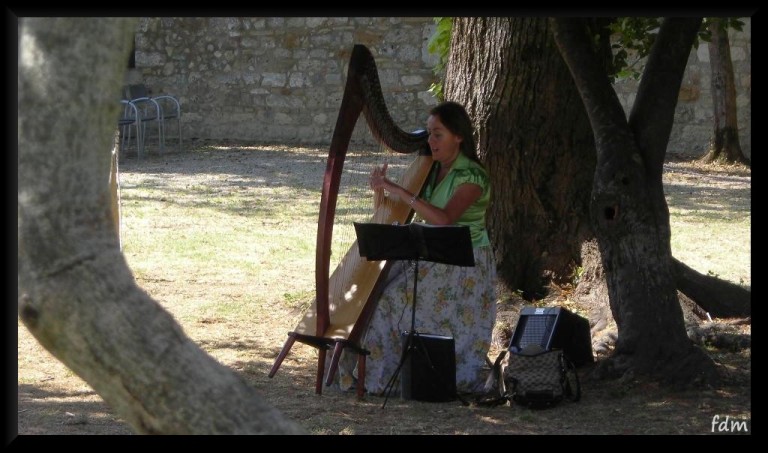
323,344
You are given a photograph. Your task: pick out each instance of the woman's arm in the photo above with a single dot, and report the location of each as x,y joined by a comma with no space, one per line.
460,201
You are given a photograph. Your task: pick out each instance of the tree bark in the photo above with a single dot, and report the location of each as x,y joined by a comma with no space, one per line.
534,137
724,144
721,299
76,293
628,209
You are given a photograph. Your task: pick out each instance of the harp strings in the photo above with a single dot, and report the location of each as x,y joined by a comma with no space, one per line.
355,202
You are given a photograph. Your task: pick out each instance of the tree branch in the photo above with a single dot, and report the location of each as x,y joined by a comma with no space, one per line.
720,298
603,107
652,115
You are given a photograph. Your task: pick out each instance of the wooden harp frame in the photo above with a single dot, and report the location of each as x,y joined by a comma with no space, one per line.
326,325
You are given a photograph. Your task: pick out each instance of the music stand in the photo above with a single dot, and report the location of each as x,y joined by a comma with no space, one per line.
450,244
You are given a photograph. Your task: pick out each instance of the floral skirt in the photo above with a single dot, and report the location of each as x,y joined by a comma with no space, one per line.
454,301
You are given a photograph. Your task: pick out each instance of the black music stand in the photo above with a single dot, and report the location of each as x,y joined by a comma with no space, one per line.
451,244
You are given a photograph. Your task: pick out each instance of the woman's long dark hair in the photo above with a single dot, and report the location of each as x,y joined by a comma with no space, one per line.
456,119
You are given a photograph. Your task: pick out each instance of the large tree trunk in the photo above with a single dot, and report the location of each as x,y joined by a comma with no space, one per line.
629,211
534,137
724,145
76,293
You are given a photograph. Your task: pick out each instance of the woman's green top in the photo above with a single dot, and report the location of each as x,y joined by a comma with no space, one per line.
464,170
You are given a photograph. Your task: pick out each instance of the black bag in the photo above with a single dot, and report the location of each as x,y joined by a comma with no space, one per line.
541,379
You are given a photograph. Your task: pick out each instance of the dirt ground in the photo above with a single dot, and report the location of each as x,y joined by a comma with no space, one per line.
54,401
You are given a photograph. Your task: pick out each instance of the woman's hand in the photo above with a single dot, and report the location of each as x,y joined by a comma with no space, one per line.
378,180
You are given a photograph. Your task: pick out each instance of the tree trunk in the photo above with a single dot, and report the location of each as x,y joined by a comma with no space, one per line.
534,137
629,212
719,298
724,144
76,293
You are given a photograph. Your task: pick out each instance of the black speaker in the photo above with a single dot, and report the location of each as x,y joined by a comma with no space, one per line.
554,328
429,370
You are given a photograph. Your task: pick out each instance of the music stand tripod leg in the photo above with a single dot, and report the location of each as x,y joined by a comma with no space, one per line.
415,343
403,357
409,340
415,241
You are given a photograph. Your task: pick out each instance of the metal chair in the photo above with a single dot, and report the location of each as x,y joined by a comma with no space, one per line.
129,120
147,110
168,108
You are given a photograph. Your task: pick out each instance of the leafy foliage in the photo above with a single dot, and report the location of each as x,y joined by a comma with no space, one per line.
633,37
631,41
440,44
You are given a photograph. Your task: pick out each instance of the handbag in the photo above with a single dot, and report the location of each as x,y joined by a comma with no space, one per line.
533,377
540,379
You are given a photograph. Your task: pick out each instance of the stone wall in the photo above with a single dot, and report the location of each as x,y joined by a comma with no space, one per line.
694,115
281,79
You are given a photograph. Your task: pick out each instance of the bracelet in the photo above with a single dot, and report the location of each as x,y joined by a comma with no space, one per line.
413,200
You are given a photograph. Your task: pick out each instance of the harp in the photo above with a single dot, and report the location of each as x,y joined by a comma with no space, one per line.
344,300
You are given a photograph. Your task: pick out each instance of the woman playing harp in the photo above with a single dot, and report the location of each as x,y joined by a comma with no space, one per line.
454,301
341,308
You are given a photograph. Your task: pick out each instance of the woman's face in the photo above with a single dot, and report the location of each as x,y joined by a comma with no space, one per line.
443,143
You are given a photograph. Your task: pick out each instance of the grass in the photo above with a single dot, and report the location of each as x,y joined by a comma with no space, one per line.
223,237
231,230
242,226
711,221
